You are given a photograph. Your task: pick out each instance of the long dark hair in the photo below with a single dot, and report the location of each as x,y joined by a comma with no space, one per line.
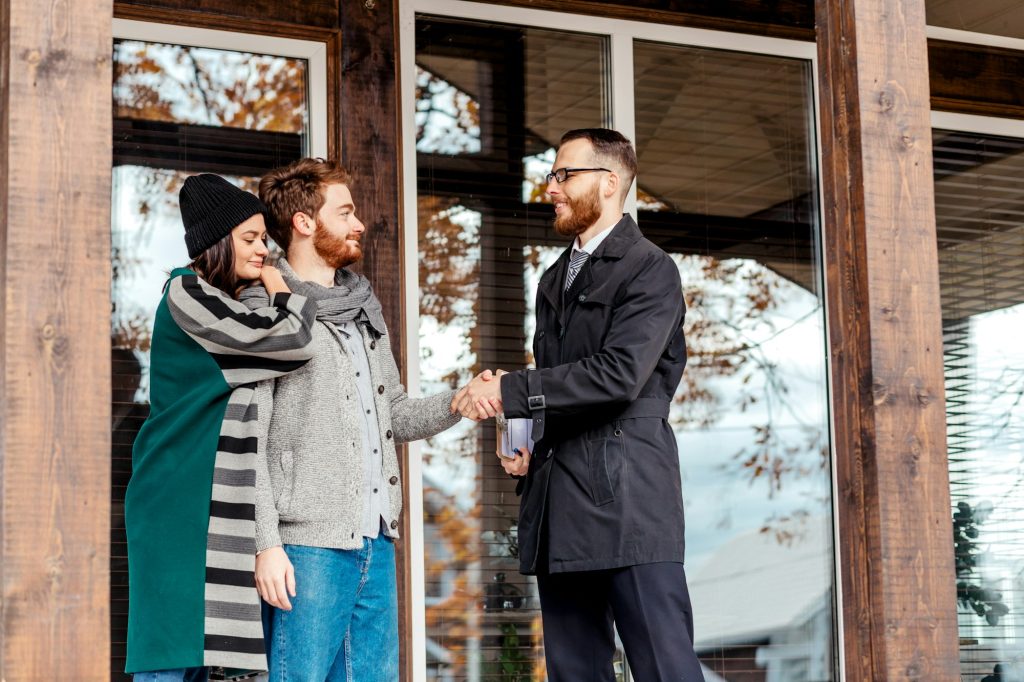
216,265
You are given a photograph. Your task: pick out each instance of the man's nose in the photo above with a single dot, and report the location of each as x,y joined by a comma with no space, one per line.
552,188
359,227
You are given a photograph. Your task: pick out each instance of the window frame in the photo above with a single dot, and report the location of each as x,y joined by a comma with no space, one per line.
621,36
314,52
980,125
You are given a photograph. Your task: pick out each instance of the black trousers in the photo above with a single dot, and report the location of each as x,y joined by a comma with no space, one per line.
649,603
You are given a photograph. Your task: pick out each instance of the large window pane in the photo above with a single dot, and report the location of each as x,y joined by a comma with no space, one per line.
178,110
727,185
979,205
492,104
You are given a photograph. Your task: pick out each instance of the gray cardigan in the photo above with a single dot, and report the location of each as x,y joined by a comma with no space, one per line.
309,482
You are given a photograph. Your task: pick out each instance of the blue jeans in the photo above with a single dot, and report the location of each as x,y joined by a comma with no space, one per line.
343,626
179,675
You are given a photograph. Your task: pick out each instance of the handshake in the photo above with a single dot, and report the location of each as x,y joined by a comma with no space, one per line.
481,398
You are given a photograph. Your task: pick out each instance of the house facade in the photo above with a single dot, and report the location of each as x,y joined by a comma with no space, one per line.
841,186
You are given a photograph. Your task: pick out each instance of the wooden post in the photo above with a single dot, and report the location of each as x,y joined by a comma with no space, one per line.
371,150
895,538
55,142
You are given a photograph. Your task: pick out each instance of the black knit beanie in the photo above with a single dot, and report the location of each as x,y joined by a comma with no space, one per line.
210,208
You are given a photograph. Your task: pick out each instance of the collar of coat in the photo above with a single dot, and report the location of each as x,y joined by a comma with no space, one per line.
615,245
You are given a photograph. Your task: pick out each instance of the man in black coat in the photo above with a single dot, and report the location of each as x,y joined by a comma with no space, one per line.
601,516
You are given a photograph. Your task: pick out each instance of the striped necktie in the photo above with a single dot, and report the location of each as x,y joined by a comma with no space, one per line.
575,265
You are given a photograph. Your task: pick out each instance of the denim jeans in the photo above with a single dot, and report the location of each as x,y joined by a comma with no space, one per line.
343,626
179,675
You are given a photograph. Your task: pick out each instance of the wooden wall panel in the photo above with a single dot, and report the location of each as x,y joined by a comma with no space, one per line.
778,18
896,559
976,79
318,13
369,132
55,390
369,128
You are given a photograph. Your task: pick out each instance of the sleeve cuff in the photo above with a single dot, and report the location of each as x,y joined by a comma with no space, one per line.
514,395
266,540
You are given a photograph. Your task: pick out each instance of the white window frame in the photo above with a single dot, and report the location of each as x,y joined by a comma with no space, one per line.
959,36
314,52
621,35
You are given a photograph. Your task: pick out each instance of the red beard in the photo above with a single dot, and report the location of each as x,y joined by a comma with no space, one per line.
336,251
584,211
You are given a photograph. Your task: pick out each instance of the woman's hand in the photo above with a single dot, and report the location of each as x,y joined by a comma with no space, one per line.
273,281
275,577
518,465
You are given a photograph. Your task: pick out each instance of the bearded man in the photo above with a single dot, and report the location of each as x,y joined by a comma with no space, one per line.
601,516
328,488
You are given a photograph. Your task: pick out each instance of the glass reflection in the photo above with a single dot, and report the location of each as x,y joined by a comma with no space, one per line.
196,85
979,202
727,186
178,110
492,104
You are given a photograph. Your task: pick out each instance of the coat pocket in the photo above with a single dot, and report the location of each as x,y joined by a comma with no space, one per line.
604,464
283,496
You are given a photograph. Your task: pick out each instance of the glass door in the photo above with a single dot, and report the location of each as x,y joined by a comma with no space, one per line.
727,185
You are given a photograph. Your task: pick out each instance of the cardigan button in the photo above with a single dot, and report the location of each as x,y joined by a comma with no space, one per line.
394,525
389,434
380,389
393,480
373,345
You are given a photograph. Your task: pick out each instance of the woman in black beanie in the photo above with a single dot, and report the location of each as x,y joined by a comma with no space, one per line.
190,504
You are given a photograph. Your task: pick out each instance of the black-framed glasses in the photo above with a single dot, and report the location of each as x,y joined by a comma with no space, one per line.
560,175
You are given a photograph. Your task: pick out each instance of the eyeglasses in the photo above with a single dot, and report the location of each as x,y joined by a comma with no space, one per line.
560,175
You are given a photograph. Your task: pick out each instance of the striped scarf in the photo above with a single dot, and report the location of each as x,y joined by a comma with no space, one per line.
234,631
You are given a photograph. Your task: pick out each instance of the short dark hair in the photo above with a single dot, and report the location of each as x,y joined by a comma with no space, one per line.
609,146
297,188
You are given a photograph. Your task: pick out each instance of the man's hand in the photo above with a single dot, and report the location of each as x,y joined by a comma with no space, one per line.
275,577
517,466
470,402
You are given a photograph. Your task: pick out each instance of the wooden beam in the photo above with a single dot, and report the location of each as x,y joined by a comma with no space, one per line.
881,263
976,79
313,13
55,328
792,19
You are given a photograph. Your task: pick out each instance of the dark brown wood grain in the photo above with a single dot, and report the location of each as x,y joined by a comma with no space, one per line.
976,79
881,265
368,132
55,156
222,22
778,18
316,13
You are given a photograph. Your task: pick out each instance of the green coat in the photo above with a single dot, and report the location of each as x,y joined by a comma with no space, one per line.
192,598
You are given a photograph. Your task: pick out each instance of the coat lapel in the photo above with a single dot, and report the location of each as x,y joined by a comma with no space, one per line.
550,285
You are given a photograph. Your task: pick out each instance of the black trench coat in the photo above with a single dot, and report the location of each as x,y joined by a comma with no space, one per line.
603,489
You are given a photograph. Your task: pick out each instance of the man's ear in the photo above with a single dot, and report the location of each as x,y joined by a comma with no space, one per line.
303,224
611,185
